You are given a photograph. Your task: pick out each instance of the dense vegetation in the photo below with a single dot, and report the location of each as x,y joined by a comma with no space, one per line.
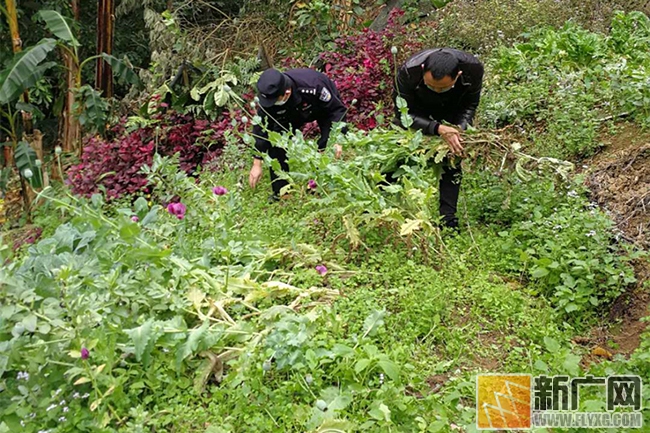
156,292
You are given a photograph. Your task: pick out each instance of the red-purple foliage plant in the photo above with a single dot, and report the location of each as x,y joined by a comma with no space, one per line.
116,163
363,68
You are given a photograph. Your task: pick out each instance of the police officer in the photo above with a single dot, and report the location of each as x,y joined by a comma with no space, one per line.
442,84
288,101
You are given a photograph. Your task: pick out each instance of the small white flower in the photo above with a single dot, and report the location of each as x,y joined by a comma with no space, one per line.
256,100
62,403
253,104
58,150
22,423
591,234
28,173
22,375
38,163
572,193
354,101
86,395
244,119
66,409
76,395
393,49
62,419
50,407
57,392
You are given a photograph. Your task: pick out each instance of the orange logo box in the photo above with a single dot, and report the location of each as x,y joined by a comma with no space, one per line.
503,401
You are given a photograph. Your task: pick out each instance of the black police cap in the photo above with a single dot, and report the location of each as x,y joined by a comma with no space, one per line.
271,85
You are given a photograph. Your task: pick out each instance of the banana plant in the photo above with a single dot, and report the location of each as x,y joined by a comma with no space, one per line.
29,66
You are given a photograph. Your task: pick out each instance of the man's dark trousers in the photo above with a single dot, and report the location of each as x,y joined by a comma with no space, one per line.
449,188
280,155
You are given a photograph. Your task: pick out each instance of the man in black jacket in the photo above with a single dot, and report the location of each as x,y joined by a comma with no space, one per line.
442,84
288,101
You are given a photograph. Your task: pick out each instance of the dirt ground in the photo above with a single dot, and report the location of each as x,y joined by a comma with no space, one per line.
619,180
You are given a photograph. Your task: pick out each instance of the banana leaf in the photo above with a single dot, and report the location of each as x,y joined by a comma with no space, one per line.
122,70
25,70
59,26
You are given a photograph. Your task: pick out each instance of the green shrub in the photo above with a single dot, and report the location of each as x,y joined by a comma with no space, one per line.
555,237
480,26
564,83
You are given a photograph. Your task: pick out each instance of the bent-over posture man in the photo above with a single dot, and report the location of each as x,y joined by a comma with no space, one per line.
288,101
442,84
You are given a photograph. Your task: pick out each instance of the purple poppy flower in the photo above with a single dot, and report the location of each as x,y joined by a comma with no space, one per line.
85,353
220,190
135,218
312,184
177,209
321,269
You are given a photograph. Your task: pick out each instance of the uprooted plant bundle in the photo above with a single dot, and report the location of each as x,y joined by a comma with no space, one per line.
356,188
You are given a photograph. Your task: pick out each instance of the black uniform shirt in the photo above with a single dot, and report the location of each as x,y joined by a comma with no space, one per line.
428,108
313,97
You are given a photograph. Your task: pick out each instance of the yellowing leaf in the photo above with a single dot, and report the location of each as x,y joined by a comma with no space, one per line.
352,232
82,380
109,391
95,404
196,297
106,419
100,368
409,227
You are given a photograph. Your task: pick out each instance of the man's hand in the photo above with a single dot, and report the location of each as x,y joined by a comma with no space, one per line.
452,137
338,151
256,173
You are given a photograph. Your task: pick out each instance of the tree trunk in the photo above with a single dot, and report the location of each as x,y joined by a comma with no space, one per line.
70,131
17,43
75,10
105,24
8,154
70,135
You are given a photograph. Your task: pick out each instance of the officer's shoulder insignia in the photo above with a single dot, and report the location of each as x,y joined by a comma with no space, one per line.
308,90
325,95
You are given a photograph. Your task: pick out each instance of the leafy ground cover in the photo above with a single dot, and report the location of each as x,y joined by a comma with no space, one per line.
196,306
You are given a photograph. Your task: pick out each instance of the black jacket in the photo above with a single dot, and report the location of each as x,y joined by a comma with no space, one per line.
314,97
428,108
